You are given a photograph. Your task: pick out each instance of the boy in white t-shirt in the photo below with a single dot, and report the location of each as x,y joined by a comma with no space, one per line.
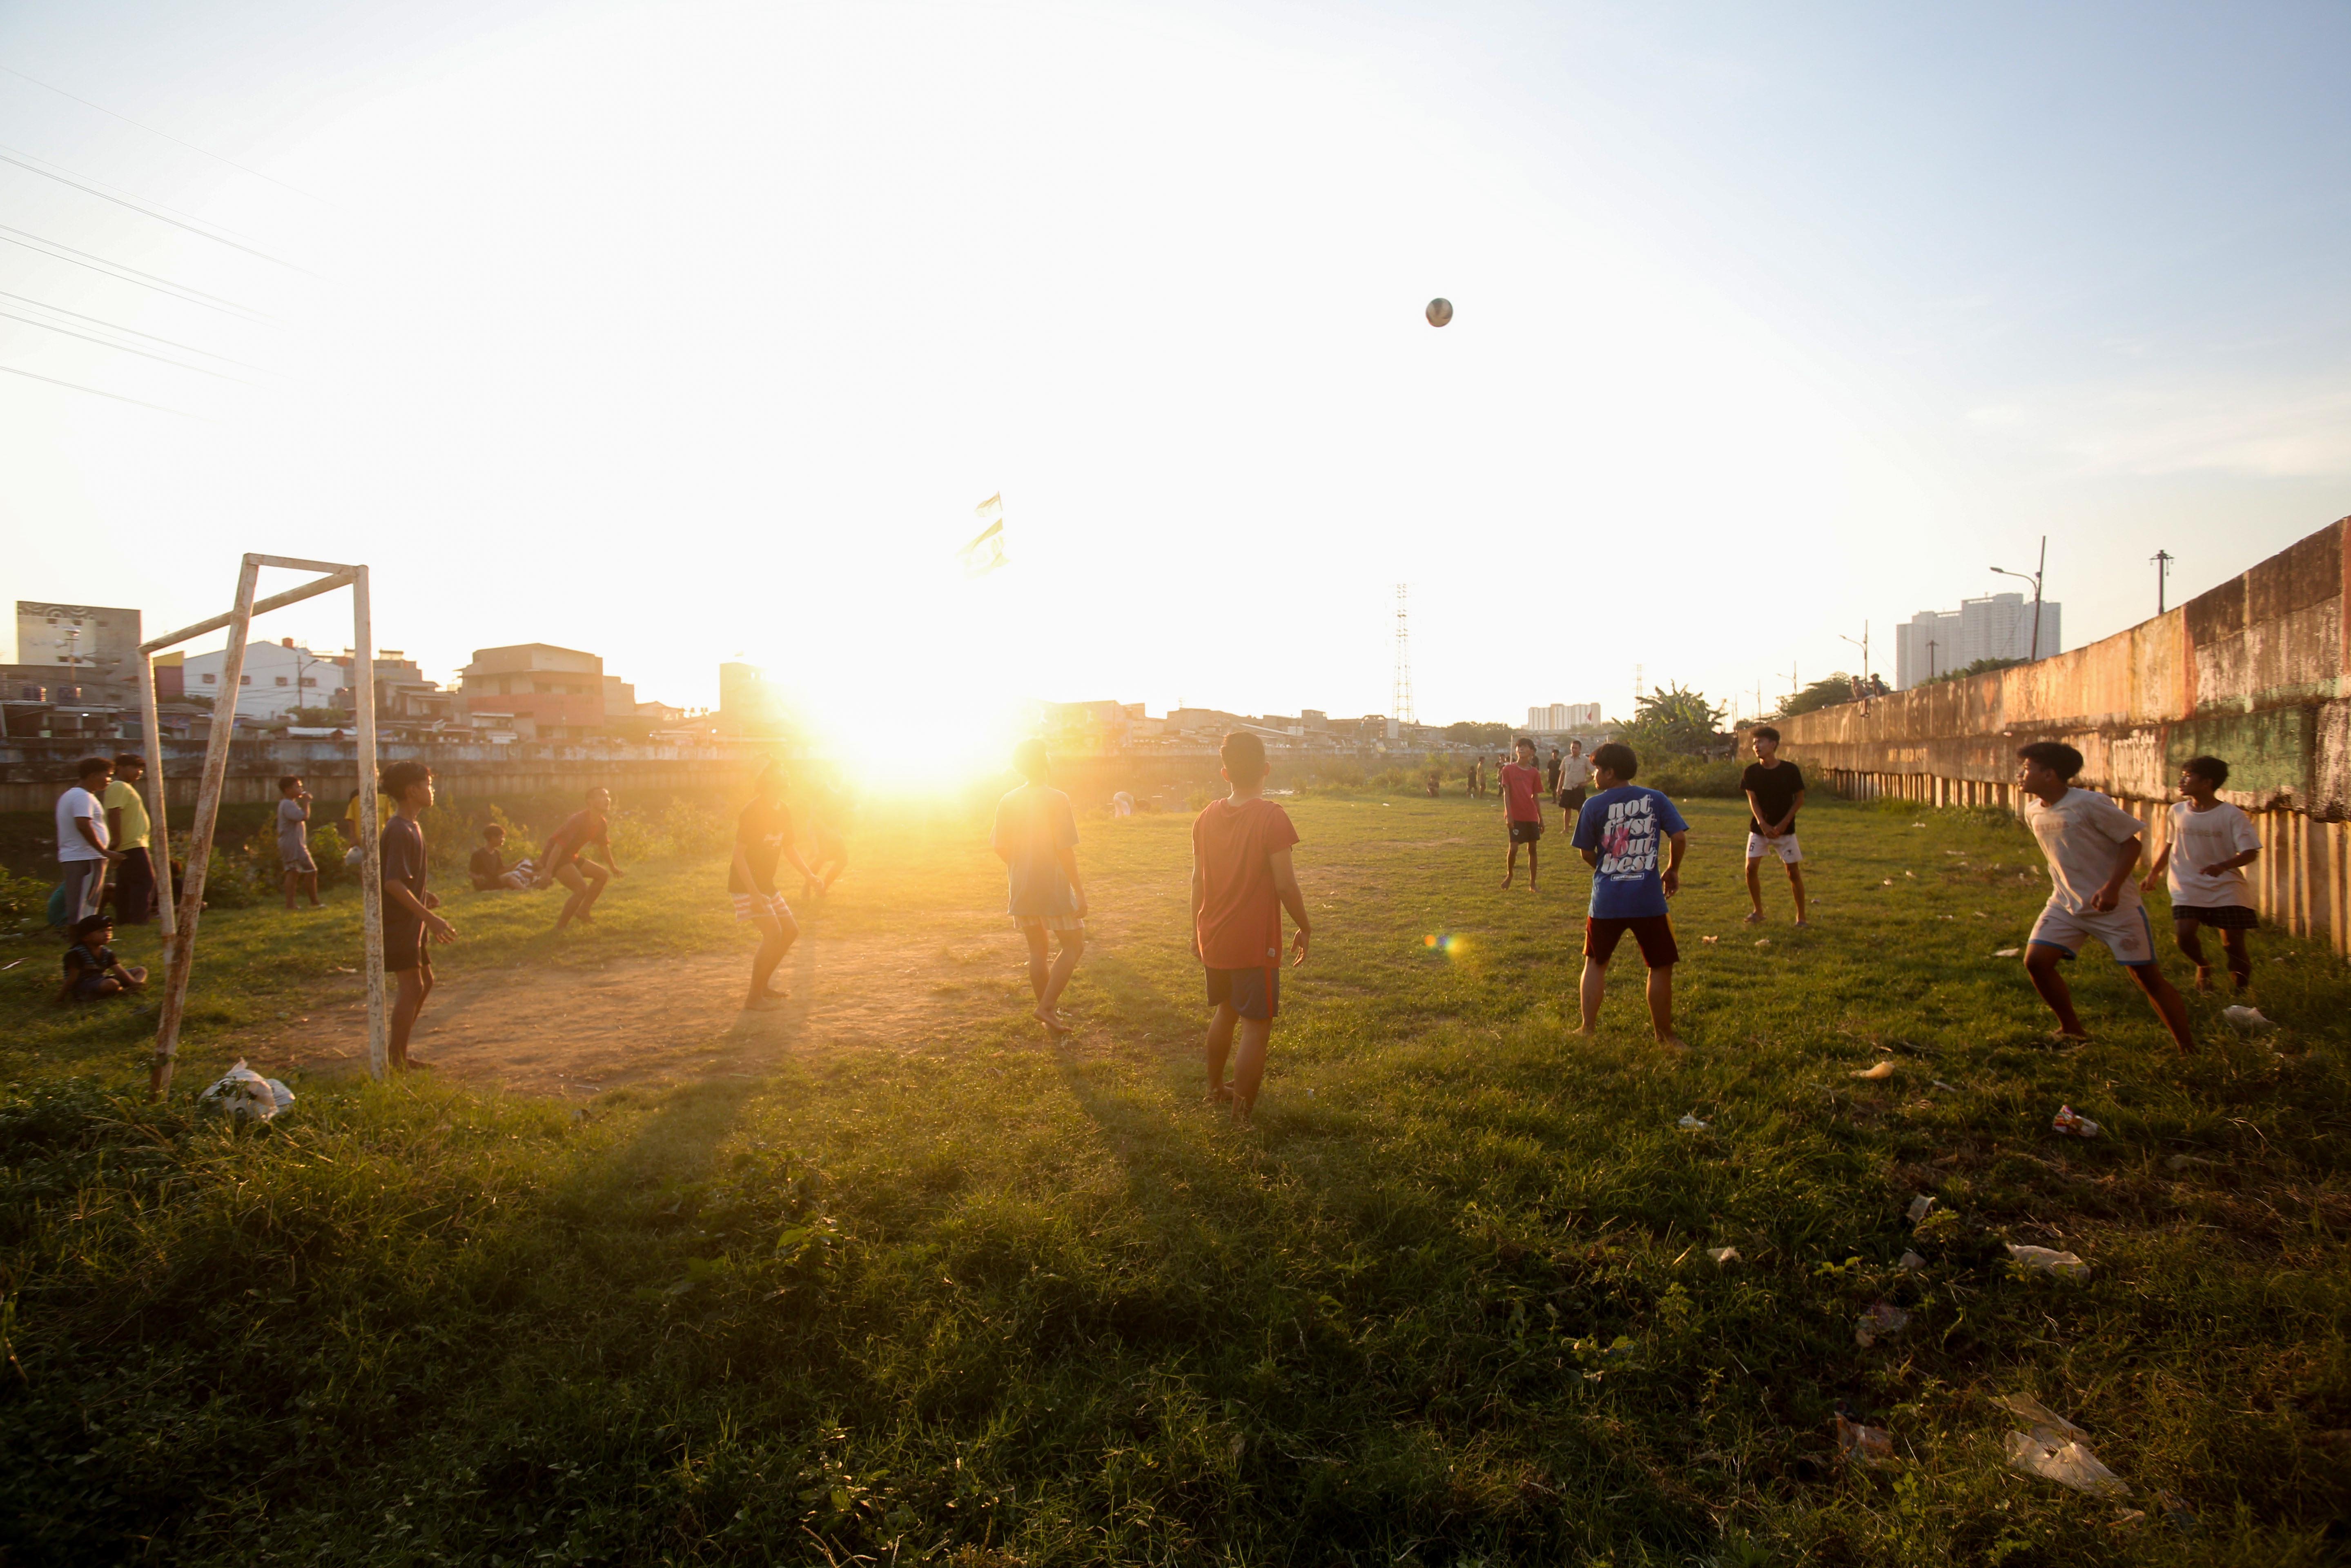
83,852
2206,848
2092,846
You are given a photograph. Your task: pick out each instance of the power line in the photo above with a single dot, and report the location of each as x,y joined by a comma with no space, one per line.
117,326
124,348
159,214
76,386
130,273
167,136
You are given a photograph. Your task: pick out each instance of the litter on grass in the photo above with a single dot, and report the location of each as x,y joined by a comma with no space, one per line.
2247,1021
1887,882
2041,1422
1911,1263
1919,1208
1690,1124
2068,1464
1953,1088
1882,1070
1880,1321
1710,941
1723,1255
1860,1445
2073,1123
1766,941
245,1095
2006,952
2181,1162
2046,1261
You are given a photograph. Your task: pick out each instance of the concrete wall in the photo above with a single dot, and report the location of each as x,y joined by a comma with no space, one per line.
2257,671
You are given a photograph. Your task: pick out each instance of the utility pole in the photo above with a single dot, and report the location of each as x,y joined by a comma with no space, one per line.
1931,646
1400,697
2162,559
1864,645
2038,572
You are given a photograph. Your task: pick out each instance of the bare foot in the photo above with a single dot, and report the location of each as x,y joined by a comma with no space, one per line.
2204,977
1586,1031
764,1002
1505,879
1220,1095
777,992
1054,1022
1673,1042
1803,926
2060,1037
1755,918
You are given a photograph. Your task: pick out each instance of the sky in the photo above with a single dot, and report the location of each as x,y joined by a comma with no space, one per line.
688,331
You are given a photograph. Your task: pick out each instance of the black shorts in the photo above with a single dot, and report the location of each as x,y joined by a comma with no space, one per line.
403,948
1252,993
1654,932
1573,798
2218,916
1526,833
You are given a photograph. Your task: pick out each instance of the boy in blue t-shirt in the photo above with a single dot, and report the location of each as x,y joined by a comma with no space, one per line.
1617,832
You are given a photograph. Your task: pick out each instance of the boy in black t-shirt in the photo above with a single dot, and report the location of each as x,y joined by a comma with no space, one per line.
408,918
91,970
1775,793
763,836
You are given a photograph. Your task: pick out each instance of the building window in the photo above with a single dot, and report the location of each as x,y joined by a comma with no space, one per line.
309,680
212,679
281,680
245,680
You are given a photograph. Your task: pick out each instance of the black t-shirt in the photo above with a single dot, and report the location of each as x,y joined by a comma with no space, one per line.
1550,775
1775,789
761,834
402,843
488,865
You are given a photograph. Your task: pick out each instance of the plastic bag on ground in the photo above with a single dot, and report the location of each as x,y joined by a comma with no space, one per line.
1882,1070
1880,1321
1723,1255
1690,1124
2043,1259
246,1095
2041,1422
2073,1123
2247,1021
2069,1464
1919,1208
1860,1445
1910,1263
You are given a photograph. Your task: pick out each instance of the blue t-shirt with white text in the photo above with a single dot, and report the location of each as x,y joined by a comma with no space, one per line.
1623,825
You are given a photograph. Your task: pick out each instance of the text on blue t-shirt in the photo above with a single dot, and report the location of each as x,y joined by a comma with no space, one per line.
1623,825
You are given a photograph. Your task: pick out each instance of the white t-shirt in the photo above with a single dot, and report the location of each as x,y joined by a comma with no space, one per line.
79,803
2200,839
1574,770
2081,835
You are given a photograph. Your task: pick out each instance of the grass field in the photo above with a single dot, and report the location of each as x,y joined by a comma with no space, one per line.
961,1296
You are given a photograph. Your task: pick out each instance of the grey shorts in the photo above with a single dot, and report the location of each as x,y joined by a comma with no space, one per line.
1252,993
294,853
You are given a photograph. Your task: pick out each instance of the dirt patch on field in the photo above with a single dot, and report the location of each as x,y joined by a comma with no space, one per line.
574,1032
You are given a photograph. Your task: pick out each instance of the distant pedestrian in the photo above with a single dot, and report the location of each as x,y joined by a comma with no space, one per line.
1478,778
763,835
1551,775
1522,816
566,860
296,869
1036,837
1775,793
1617,832
129,833
410,924
2207,845
1574,785
2092,846
83,852
91,970
1241,881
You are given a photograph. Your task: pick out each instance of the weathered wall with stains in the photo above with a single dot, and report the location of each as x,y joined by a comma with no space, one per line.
2257,670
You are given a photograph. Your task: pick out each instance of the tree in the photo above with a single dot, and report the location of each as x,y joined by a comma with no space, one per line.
1479,734
1673,721
1981,667
1827,693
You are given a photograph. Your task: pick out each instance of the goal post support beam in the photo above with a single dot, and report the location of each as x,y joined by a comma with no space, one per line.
179,917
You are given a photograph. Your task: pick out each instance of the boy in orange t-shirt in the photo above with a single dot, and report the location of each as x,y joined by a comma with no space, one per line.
1241,881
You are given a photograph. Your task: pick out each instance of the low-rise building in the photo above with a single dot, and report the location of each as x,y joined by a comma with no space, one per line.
540,690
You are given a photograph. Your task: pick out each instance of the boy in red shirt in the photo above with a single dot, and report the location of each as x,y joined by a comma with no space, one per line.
1522,809
1241,881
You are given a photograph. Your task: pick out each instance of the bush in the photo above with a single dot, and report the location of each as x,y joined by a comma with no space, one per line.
24,900
1693,776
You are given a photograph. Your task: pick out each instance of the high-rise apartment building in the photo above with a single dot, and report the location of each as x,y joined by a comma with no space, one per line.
1561,716
1998,626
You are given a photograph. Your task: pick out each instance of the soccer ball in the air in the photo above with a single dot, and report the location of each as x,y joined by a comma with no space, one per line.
1439,312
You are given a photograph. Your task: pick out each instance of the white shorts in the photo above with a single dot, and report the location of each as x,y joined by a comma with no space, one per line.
1784,846
754,905
2125,932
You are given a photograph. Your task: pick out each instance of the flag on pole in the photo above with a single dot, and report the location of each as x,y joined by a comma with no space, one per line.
985,552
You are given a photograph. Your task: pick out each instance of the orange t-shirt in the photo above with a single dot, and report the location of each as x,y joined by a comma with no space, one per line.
1240,915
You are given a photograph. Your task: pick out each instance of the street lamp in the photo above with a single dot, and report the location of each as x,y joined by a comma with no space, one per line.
1862,643
2035,581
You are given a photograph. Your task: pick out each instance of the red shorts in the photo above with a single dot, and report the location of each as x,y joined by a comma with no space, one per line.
1654,932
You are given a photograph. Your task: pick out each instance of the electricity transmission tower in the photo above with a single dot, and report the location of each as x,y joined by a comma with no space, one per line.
1400,699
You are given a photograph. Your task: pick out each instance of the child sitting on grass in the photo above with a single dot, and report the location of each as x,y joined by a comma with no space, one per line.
91,970
488,866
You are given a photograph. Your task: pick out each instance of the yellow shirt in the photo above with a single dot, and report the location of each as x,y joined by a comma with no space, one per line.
383,811
124,798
